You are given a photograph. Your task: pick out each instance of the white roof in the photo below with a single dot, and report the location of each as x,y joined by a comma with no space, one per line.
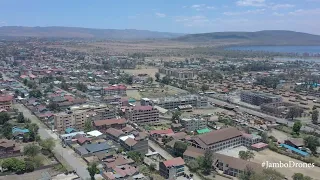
72,134
95,133
126,137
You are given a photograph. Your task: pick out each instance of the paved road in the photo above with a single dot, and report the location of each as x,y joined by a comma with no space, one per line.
256,113
67,154
168,156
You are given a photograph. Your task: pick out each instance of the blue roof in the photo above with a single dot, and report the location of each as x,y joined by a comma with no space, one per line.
92,148
70,130
15,129
295,150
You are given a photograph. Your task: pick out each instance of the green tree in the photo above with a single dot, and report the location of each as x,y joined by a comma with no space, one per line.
7,130
21,118
264,137
88,126
176,115
31,150
4,117
135,156
294,112
14,165
243,155
157,76
48,144
152,167
204,87
29,166
35,93
81,87
193,165
166,80
207,161
296,127
299,176
315,116
312,143
93,170
179,148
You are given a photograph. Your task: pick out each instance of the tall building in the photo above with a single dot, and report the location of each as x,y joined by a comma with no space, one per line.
178,73
193,124
175,102
142,114
257,98
6,102
171,169
78,115
70,119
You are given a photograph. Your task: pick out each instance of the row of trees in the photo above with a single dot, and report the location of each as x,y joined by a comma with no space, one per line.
32,160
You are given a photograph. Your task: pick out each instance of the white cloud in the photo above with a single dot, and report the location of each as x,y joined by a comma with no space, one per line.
3,23
201,7
160,15
256,3
256,11
282,6
305,12
192,21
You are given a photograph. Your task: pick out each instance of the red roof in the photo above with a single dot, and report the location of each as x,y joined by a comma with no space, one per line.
5,98
23,76
167,131
174,162
116,87
32,76
259,145
82,140
109,122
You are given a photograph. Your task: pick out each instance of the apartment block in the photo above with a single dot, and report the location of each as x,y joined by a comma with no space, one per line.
176,101
178,73
137,142
223,139
142,114
103,125
6,102
70,119
120,90
171,169
193,124
257,98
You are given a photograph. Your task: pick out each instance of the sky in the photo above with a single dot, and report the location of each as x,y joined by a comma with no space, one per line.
179,16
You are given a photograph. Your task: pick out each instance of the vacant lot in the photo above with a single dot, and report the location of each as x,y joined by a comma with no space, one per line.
272,157
142,70
281,136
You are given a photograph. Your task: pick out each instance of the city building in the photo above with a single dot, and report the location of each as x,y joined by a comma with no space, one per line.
142,114
78,115
103,125
178,73
176,101
70,119
5,102
257,98
278,109
171,169
193,124
234,166
120,90
223,139
192,153
8,147
137,141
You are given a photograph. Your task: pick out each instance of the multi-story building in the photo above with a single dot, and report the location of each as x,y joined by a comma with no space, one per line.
78,115
178,73
100,112
6,102
279,109
120,90
193,124
70,119
142,114
103,125
223,139
171,169
175,102
257,98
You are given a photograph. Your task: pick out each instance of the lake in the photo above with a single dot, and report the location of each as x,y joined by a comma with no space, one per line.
281,49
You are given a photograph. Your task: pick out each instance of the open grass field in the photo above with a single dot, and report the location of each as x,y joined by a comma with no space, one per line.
151,71
273,157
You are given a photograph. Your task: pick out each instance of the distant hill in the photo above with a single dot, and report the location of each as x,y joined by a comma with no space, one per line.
268,37
75,32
